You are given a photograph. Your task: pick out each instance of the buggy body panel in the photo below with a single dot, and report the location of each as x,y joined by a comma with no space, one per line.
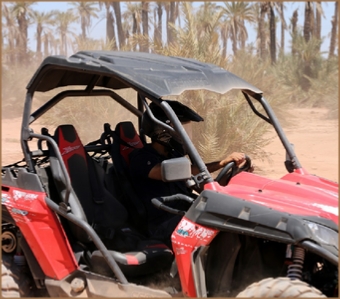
298,194
42,230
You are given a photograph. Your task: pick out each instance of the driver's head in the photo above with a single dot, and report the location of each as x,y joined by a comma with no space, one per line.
166,138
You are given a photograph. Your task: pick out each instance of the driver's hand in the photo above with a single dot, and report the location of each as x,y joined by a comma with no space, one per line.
239,158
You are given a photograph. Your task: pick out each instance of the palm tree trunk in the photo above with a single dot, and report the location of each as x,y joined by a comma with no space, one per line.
224,35
11,36
282,30
22,40
307,27
83,27
272,34
144,47
159,28
234,38
318,23
171,20
243,37
134,28
177,14
46,45
39,31
110,29
294,21
307,32
262,32
118,15
334,31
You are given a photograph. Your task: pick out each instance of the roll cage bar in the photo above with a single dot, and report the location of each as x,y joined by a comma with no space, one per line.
203,177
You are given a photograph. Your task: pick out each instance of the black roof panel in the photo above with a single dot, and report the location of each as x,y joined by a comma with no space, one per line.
153,74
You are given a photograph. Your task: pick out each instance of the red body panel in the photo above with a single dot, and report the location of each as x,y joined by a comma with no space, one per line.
42,231
296,193
185,239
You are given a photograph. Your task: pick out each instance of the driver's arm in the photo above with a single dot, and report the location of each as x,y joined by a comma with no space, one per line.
213,166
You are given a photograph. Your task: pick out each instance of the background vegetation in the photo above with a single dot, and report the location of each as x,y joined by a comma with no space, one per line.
299,76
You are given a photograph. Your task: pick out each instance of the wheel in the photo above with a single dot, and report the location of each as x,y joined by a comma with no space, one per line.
8,241
282,287
14,282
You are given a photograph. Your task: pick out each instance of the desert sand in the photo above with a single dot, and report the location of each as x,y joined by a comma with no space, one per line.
316,144
314,135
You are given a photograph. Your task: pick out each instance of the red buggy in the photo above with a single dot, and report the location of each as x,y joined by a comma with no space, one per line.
72,225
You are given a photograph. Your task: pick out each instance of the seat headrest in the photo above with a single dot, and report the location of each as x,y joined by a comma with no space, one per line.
128,134
68,142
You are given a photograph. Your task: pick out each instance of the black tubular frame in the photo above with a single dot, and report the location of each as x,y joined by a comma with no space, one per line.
141,106
272,119
95,238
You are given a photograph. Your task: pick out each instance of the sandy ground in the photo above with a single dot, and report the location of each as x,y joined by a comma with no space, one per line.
316,144
315,139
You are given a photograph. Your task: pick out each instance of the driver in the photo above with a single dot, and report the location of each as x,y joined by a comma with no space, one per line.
145,168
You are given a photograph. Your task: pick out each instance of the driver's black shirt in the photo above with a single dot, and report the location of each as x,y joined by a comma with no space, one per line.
142,161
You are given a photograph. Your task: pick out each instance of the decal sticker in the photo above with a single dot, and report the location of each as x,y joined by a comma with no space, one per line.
191,230
19,212
69,149
182,232
132,144
181,250
4,197
23,195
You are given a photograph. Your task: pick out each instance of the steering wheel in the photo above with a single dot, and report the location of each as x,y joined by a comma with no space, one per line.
231,169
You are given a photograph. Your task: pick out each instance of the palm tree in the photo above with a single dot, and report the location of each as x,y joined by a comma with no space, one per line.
308,25
318,14
126,28
170,21
334,31
280,8
192,40
10,31
237,13
41,19
308,56
110,29
272,33
85,11
261,30
118,15
158,25
145,26
21,11
204,13
272,27
63,21
48,39
294,21
224,33
133,11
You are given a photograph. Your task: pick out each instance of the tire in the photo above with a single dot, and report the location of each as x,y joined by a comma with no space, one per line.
11,245
14,282
282,287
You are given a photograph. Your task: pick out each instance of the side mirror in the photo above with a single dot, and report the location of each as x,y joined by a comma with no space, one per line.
176,169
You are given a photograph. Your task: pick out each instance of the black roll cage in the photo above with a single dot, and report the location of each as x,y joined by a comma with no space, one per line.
204,175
